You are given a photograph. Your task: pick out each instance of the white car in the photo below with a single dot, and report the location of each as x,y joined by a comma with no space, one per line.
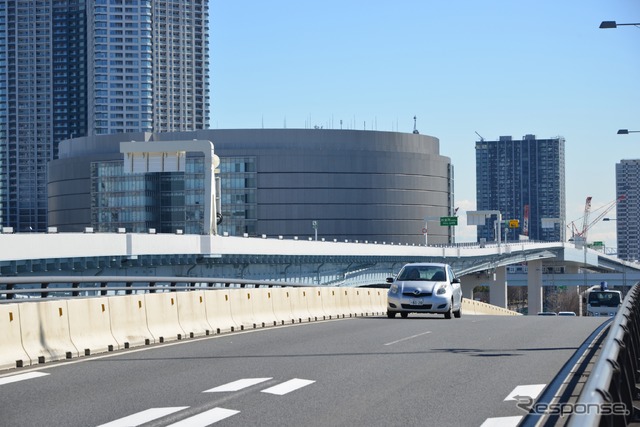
424,288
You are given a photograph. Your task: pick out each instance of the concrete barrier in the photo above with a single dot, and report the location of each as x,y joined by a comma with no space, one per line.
45,331
282,306
478,307
299,308
262,306
218,306
372,302
242,308
12,353
381,300
162,316
314,304
192,313
343,302
355,297
129,321
330,302
90,325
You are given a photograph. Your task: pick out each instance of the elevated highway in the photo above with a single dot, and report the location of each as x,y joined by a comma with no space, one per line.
324,263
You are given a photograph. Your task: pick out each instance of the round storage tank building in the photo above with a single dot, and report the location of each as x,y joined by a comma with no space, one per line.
334,184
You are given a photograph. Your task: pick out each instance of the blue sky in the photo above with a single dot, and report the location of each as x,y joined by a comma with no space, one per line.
499,67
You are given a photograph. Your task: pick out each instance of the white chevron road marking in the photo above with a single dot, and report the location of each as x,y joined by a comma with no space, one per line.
288,386
237,385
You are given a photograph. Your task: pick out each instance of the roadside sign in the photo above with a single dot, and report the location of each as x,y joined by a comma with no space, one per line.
448,221
598,244
514,223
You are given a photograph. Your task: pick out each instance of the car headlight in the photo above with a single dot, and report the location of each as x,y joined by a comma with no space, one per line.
441,290
393,289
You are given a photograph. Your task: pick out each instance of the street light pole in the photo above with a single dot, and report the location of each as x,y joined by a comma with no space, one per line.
614,24
627,131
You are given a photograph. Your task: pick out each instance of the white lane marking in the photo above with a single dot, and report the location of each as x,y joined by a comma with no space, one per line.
206,418
21,377
237,385
532,391
502,422
288,386
408,338
143,417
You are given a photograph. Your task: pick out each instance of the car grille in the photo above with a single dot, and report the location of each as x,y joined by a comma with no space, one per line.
417,307
414,295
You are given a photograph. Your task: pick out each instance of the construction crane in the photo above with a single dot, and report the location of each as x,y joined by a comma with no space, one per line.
580,236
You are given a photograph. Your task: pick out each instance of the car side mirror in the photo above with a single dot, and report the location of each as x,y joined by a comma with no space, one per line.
456,280
389,279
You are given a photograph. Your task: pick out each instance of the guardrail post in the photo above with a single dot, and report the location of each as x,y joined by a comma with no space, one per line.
129,291
44,294
9,288
103,289
152,285
173,286
75,286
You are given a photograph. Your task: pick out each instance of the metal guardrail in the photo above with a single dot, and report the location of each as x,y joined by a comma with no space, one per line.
611,392
17,288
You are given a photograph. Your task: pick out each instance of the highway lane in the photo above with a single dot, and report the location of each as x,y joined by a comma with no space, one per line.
369,371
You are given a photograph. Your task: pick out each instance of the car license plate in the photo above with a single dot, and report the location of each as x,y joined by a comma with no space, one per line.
416,301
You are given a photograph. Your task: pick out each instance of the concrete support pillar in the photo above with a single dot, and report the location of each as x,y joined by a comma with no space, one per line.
534,287
468,284
498,293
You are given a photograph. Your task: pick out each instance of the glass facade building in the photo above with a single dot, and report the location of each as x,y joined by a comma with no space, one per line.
524,180
75,68
628,209
170,201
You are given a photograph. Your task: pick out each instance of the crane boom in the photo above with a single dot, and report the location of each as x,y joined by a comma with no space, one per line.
604,212
585,218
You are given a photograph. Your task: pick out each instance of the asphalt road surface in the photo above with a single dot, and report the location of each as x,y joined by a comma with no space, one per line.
366,371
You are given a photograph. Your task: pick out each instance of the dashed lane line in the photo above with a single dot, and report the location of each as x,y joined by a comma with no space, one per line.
21,377
532,391
288,386
237,385
206,418
502,422
143,417
408,338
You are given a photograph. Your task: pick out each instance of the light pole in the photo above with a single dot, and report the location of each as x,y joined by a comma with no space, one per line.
627,131
614,24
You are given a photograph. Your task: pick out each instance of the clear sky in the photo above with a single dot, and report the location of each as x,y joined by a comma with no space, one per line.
495,67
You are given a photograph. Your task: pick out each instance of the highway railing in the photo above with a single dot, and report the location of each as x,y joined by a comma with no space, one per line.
611,393
16,288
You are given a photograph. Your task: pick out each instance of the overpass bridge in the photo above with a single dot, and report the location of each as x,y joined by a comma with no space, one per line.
316,263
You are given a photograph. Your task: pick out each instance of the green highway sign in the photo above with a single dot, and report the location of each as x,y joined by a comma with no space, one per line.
598,243
448,221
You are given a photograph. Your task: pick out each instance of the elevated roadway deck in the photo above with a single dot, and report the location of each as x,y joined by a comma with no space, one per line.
274,258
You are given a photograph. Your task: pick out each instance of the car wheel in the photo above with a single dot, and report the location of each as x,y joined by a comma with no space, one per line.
458,312
404,315
391,314
447,315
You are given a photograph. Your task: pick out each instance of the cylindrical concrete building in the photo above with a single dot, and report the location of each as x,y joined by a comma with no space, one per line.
353,185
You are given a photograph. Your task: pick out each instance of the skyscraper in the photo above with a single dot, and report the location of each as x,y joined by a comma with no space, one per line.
628,209
525,181
76,68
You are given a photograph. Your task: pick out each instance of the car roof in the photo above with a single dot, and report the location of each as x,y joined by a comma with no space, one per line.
426,264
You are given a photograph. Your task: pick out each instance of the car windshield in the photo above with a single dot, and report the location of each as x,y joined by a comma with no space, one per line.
609,299
431,273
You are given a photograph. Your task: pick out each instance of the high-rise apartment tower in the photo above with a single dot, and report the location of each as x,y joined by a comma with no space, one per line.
79,68
628,209
524,180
